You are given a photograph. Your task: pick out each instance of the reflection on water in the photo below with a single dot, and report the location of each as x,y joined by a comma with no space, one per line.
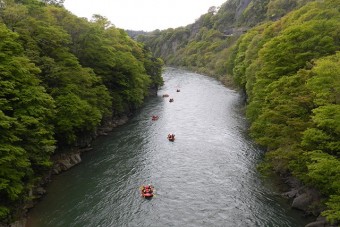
207,177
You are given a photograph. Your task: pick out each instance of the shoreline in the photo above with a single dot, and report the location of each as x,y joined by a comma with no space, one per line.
62,162
298,195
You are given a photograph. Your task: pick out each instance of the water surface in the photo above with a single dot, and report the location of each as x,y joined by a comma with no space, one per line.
207,177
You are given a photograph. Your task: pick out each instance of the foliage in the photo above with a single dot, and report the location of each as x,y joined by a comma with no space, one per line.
205,45
324,173
61,77
26,110
289,70
288,67
333,213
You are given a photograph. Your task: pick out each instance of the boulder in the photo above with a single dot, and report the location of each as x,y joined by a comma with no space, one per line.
20,223
291,194
320,222
75,159
85,149
122,120
39,191
303,201
292,182
65,164
56,169
306,200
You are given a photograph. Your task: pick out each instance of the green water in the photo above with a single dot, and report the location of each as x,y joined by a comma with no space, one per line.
207,177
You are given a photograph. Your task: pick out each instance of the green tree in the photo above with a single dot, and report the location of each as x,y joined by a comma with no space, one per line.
26,139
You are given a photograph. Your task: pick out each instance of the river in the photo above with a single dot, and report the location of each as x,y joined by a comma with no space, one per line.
207,177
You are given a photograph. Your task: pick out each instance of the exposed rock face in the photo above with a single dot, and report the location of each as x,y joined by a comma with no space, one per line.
303,201
153,91
241,7
291,194
320,222
65,162
111,124
307,200
303,198
20,223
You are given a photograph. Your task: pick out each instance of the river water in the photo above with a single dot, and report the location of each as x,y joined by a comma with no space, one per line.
207,177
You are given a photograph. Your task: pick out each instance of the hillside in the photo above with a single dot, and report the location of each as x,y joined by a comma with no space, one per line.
285,56
61,78
204,45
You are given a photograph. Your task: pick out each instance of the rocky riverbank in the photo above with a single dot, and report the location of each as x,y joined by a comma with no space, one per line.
63,161
306,199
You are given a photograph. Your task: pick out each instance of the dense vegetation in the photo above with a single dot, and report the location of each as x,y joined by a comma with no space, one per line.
204,45
290,71
61,77
288,65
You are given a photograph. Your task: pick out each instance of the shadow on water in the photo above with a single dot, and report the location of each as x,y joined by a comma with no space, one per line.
206,177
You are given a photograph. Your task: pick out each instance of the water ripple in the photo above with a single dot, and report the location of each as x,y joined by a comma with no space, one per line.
207,177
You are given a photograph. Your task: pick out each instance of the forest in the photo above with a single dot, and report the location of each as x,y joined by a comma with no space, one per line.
285,57
61,77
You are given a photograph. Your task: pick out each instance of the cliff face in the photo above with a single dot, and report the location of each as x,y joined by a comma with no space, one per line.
232,18
213,32
241,7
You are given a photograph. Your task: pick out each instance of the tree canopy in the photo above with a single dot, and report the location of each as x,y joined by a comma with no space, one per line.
284,56
61,77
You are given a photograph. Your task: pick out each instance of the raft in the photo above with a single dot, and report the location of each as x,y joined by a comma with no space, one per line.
147,191
171,138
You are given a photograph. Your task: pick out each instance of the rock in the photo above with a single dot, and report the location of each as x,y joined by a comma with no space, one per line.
122,120
316,224
320,222
66,160
56,169
102,133
29,205
40,191
302,202
306,200
293,182
291,194
75,159
20,223
86,149
65,164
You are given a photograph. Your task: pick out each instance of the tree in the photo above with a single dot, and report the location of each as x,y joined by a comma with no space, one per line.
212,9
26,140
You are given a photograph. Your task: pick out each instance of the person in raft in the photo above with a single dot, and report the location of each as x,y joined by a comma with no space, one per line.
147,189
171,136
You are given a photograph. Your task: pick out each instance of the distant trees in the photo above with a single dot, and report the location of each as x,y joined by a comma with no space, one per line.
212,9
